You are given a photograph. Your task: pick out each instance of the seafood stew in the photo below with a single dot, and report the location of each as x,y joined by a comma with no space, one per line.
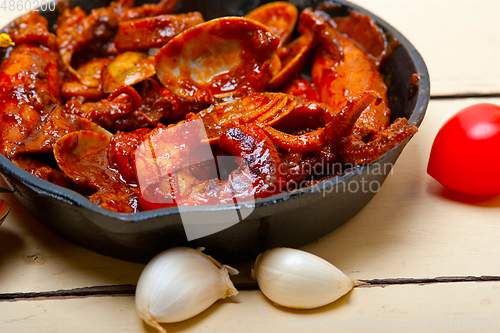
161,228
126,98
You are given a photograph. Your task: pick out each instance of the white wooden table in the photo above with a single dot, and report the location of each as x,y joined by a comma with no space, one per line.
437,254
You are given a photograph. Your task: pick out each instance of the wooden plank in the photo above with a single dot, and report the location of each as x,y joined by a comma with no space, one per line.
128,289
456,39
450,307
33,258
411,229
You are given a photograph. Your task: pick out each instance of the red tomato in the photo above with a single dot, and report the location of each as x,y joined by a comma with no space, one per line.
465,156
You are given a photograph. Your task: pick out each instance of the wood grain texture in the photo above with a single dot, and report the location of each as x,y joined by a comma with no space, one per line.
33,258
402,308
457,39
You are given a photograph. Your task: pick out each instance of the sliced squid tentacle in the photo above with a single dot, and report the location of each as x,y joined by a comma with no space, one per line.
308,142
340,81
169,161
76,31
136,100
337,124
258,160
357,152
123,101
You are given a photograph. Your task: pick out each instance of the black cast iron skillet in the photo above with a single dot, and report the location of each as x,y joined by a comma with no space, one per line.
288,219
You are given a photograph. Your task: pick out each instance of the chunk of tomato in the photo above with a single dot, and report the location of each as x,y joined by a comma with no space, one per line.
465,156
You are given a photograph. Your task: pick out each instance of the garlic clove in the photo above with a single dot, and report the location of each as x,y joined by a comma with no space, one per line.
299,280
180,283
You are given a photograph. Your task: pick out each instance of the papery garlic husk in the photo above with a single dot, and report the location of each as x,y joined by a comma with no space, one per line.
298,279
180,283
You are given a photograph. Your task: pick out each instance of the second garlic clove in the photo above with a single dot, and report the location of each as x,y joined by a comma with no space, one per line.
298,279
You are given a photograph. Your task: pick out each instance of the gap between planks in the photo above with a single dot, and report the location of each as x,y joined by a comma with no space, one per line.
129,290
464,95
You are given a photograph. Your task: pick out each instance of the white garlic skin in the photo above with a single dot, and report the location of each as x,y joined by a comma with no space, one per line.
178,284
298,279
